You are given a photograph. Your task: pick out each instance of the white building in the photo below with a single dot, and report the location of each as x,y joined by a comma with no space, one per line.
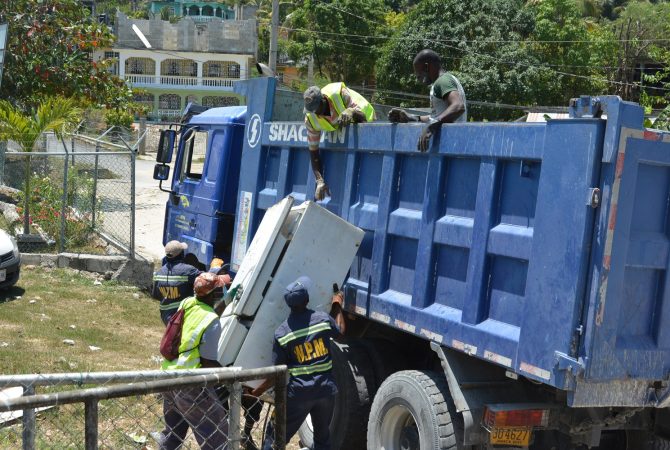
188,61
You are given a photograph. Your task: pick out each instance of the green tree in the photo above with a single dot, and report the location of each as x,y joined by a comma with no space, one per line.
637,30
478,40
49,54
561,40
339,35
56,114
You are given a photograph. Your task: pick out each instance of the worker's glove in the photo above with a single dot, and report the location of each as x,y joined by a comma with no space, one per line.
397,115
346,117
321,191
428,131
337,299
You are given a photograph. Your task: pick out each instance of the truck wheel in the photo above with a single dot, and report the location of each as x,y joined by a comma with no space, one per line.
355,383
645,440
413,410
386,359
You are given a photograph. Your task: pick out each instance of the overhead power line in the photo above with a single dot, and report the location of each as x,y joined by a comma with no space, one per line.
488,41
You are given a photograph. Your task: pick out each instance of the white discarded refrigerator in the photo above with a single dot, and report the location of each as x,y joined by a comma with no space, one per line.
290,242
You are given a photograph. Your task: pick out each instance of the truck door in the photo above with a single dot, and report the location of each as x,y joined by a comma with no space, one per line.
630,332
191,212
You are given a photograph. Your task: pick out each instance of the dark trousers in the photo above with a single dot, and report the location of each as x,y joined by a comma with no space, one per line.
199,409
321,410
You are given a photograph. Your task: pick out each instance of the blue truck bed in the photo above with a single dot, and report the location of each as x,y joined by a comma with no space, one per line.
540,247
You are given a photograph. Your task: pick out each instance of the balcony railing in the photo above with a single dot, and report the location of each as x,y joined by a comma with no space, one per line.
168,112
180,81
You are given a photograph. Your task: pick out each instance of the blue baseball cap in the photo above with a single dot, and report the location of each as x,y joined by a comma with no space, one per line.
297,293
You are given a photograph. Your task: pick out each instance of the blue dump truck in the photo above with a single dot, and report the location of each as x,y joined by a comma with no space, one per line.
512,286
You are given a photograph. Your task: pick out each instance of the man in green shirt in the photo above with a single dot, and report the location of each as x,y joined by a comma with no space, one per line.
447,97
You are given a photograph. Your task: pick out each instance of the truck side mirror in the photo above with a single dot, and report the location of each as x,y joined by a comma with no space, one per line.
161,172
166,146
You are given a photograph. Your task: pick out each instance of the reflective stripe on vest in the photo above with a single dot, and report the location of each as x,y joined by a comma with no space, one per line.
333,92
197,317
158,277
309,370
323,326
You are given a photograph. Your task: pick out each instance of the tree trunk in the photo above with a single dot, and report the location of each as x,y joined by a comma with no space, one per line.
26,203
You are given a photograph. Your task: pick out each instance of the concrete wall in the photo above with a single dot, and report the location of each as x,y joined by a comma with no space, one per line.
187,35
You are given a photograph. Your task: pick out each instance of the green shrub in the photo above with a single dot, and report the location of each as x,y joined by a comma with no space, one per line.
46,210
119,118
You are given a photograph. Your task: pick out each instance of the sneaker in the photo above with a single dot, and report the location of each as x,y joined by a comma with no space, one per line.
158,436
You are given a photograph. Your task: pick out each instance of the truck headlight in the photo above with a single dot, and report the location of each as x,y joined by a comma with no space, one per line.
15,247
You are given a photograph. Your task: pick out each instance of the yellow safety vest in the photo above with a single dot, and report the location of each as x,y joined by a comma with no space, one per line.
333,92
197,317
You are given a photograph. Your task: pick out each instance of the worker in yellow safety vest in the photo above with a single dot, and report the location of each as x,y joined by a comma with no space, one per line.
328,109
198,408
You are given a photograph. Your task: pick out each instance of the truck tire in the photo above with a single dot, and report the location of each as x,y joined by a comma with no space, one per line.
646,440
413,410
385,357
355,383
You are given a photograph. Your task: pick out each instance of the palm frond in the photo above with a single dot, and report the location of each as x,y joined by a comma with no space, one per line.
55,114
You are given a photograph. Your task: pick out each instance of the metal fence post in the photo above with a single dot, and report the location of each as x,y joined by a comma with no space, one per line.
63,223
281,381
3,156
91,424
71,148
95,184
235,401
28,419
133,157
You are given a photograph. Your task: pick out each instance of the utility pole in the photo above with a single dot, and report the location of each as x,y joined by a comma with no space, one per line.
274,31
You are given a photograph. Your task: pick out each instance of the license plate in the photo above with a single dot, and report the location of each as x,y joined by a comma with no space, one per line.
3,274
519,436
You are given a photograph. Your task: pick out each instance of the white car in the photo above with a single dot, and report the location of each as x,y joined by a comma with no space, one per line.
10,260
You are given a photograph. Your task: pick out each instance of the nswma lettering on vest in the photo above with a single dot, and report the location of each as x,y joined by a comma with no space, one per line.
294,132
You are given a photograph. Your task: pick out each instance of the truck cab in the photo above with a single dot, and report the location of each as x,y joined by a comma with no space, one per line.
203,191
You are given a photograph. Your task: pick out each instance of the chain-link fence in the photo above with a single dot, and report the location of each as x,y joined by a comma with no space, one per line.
81,196
188,409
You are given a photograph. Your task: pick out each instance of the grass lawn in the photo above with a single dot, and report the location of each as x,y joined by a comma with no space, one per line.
59,304
124,322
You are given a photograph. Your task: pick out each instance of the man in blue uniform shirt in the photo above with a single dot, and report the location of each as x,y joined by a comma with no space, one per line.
302,342
174,280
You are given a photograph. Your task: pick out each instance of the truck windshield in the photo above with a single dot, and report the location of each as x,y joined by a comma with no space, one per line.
195,147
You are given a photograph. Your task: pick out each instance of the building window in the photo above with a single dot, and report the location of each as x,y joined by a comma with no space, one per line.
233,70
140,66
194,11
169,101
215,101
144,98
179,67
207,11
212,69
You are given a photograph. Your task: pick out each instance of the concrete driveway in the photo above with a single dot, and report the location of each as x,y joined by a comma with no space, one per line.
150,210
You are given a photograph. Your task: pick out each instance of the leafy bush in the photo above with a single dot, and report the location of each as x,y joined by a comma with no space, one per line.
45,204
119,118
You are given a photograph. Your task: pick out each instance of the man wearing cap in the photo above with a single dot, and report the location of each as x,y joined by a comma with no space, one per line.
197,408
302,342
328,109
174,281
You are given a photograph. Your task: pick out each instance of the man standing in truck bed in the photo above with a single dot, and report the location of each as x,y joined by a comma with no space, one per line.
328,109
447,97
